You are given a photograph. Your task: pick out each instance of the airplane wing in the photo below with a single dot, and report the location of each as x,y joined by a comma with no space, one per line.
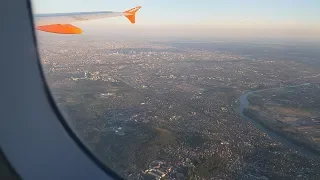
60,22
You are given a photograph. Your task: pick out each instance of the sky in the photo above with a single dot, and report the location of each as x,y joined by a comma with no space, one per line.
296,16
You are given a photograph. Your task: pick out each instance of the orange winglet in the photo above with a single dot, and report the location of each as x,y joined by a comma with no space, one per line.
131,14
60,29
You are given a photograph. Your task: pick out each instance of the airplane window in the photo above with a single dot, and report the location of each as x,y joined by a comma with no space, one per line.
185,90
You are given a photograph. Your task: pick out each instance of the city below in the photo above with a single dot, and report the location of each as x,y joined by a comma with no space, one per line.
190,109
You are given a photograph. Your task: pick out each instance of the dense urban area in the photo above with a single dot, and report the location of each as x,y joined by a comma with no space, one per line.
171,109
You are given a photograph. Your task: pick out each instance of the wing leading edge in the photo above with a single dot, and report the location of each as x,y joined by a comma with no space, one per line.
60,23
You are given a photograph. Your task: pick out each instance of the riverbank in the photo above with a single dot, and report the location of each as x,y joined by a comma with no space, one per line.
275,129
278,127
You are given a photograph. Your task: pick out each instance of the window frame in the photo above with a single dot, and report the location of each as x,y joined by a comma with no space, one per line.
34,136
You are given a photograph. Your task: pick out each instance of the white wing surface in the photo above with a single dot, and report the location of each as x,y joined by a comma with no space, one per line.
60,22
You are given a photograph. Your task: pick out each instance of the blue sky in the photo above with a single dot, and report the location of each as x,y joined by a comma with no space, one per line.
195,11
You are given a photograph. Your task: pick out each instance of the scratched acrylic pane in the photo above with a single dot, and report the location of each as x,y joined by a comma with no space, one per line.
188,90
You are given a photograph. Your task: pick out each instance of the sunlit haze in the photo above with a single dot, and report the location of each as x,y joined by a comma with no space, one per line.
205,18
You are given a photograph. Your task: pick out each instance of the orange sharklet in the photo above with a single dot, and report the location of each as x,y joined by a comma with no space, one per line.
131,14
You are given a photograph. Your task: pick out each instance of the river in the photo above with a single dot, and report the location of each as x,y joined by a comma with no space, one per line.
244,103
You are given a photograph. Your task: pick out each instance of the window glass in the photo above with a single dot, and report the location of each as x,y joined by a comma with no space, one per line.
191,90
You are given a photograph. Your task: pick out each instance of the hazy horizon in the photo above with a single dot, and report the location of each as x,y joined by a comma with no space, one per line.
284,19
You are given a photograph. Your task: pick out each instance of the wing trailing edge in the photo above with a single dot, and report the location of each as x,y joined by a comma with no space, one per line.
60,29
